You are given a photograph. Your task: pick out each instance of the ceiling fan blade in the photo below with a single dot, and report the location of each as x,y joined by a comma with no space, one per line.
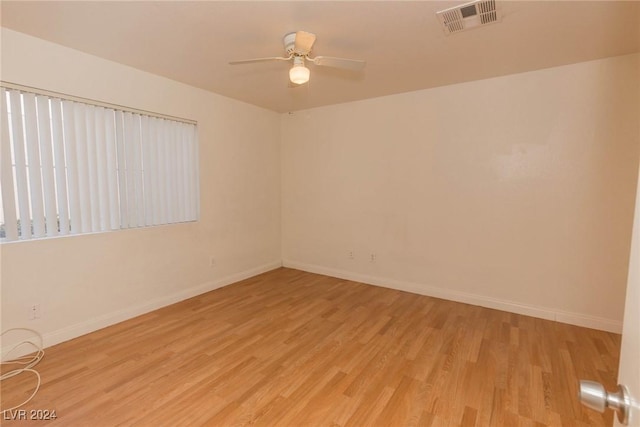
250,61
304,42
348,64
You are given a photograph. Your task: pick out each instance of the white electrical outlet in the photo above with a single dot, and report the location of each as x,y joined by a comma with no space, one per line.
35,312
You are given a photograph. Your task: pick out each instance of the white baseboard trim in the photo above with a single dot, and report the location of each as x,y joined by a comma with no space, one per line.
82,328
547,313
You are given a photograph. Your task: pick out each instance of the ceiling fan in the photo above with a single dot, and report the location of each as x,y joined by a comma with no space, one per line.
298,47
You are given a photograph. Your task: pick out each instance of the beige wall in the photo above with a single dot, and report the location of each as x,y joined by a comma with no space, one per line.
86,282
515,192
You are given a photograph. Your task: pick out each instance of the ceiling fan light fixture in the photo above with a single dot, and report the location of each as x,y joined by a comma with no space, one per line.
297,47
299,74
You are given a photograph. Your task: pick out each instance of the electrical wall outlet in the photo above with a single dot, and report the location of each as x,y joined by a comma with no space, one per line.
35,312
373,257
351,255
212,262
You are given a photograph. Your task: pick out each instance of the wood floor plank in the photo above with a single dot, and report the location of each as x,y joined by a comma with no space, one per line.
294,348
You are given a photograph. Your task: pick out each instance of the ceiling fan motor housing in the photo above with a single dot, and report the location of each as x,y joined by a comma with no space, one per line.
289,41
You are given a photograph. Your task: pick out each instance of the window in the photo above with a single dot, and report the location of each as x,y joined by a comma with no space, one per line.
70,167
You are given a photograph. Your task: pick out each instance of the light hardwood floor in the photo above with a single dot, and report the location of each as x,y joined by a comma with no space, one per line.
295,348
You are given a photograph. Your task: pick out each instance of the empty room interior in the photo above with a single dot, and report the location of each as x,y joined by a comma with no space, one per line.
319,213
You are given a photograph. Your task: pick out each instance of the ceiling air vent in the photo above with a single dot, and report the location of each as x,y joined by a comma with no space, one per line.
468,15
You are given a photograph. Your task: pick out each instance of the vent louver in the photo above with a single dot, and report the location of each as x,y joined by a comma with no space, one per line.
468,15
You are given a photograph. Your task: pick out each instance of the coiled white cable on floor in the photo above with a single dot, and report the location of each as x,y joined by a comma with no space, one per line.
28,361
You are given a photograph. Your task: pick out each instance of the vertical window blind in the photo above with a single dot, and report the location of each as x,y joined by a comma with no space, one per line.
70,167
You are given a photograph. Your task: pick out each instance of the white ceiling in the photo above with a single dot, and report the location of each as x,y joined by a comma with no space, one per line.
402,42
